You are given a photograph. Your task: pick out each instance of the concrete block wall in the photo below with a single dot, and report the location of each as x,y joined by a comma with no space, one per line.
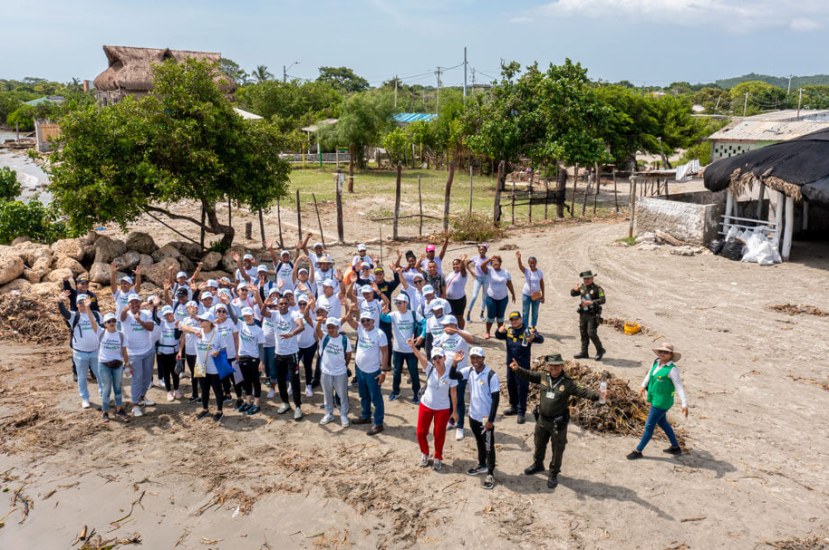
687,221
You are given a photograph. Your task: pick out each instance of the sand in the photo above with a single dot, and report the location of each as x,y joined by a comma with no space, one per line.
754,472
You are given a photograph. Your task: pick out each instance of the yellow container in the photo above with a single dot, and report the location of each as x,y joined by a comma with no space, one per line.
632,327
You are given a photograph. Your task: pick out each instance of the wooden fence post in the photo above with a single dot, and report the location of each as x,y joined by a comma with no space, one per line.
298,215
319,220
530,204
262,226
420,203
201,237
279,221
615,191
248,230
587,189
338,185
351,155
229,206
575,185
395,234
447,195
632,205
598,187
512,202
496,206
470,187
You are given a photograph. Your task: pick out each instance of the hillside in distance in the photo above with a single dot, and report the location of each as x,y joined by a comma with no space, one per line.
780,81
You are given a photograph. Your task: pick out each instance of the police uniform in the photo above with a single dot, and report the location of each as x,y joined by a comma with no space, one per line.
589,316
554,415
519,348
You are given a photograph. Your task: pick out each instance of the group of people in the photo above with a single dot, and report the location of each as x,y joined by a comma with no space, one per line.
269,327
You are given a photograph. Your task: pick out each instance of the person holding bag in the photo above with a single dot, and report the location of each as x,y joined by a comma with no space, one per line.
662,383
112,359
210,342
532,294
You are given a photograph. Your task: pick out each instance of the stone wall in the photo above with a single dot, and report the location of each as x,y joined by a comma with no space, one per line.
688,221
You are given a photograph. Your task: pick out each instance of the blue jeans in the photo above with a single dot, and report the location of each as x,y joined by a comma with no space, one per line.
461,402
86,360
411,364
111,382
369,388
527,304
495,309
479,285
657,417
142,375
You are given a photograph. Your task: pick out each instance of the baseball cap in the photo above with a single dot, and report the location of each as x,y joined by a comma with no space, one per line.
181,274
206,295
366,289
326,260
402,297
126,279
317,245
438,352
300,298
287,291
449,320
181,291
166,309
332,322
247,311
361,247
365,265
273,291
477,351
225,280
190,304
328,282
248,257
260,268
288,252
81,298
302,270
366,315
206,316
109,317
133,296
224,291
430,248
242,285
428,289
436,305
514,315
212,283
82,279
484,245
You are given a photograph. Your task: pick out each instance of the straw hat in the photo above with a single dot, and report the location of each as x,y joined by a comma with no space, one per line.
665,346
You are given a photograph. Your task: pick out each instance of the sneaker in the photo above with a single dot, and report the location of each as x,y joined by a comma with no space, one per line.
85,404
239,404
177,394
170,396
489,482
194,399
147,403
374,430
533,469
393,396
203,414
510,411
344,422
105,418
327,419
676,451
599,356
283,408
415,400
424,461
633,455
358,421
437,465
459,434
244,407
468,318
228,398
552,481
136,411
271,394
521,419
309,391
297,414
218,416
253,409
479,469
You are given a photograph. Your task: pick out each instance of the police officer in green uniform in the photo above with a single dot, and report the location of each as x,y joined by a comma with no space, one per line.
553,412
591,300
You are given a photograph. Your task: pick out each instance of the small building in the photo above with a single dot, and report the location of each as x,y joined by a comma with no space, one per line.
130,71
404,119
749,133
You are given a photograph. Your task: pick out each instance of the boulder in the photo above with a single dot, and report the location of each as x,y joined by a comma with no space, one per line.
68,247
41,267
32,277
89,239
158,272
191,250
59,275
30,251
11,266
166,251
68,263
187,264
211,261
46,289
140,242
99,273
145,261
107,249
18,285
21,240
88,254
129,260
228,264
206,275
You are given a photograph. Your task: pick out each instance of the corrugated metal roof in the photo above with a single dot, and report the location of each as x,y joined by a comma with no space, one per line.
772,127
408,118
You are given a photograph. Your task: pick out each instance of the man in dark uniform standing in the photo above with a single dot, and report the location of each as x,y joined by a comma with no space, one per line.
519,340
591,300
554,415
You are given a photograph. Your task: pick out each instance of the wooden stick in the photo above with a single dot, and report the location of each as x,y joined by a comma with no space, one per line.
173,229
447,194
262,227
339,193
319,220
395,225
615,191
420,202
298,215
279,220
575,185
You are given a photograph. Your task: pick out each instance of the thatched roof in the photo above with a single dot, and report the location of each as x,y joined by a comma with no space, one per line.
130,69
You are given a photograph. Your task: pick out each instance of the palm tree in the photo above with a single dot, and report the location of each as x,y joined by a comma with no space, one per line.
261,73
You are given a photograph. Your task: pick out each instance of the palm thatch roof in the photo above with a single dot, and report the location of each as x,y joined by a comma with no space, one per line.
130,68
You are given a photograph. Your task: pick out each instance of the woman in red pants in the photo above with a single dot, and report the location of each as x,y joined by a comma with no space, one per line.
438,403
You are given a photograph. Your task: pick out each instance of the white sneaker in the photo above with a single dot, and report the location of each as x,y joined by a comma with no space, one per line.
424,461
147,403
309,391
136,411
297,414
177,394
327,419
290,389
85,404
437,465
345,422
459,434
271,394
170,396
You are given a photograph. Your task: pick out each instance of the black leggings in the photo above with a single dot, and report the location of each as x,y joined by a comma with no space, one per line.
485,440
250,371
228,382
211,381
191,364
285,365
306,357
167,370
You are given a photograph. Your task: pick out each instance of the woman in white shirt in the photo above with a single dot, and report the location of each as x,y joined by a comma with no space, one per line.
500,281
532,293
210,342
456,288
438,403
112,358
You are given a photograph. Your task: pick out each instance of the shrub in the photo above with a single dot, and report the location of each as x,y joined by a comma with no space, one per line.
9,186
35,220
474,227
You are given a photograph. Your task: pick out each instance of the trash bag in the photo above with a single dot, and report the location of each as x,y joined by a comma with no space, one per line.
715,246
768,254
733,250
732,233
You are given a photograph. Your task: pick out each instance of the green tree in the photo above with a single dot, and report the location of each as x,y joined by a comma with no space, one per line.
23,117
234,71
754,96
261,73
343,78
182,141
9,186
364,118
31,219
396,144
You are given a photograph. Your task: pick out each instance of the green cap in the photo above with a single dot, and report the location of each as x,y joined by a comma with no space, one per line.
553,359
586,274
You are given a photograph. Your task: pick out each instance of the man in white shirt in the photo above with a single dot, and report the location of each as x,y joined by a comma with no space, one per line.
335,354
372,352
332,300
85,325
137,326
287,325
247,266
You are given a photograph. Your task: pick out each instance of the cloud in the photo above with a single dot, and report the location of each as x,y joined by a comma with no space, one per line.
737,15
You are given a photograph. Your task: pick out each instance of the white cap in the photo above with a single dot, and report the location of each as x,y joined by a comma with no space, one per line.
166,309
126,279
449,320
109,317
261,267
402,297
242,285
332,322
428,289
181,274
247,311
288,252
81,298
206,316
302,297
190,304
287,291
317,245
366,289
248,257
366,315
302,269
213,283
436,305
225,291
326,260
133,296
479,351
273,291
328,282
225,280
361,247
205,295
365,265
438,352
219,307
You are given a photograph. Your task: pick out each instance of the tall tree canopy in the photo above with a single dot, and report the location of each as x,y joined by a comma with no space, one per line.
182,141
343,79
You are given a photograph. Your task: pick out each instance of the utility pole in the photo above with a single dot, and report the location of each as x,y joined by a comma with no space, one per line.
395,92
473,81
438,72
285,70
465,64
799,102
789,88
745,104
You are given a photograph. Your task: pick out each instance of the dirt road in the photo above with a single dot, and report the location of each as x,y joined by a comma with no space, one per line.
755,471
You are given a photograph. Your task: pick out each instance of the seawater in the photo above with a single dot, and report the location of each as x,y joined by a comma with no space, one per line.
32,178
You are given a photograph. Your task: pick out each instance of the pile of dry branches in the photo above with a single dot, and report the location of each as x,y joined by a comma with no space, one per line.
31,319
792,309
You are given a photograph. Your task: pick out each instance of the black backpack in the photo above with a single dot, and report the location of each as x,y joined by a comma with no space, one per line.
75,323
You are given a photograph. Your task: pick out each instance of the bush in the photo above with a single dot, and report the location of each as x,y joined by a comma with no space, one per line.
9,186
35,220
474,227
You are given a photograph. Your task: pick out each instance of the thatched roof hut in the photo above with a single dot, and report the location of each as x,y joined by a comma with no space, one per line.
130,70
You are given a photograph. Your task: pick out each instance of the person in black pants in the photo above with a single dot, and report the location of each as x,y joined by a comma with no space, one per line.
81,287
287,326
519,340
386,288
187,347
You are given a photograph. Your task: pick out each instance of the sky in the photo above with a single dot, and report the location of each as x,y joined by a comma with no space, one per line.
647,42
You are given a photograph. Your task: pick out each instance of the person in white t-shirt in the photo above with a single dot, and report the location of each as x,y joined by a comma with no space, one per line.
499,283
287,325
372,348
456,341
438,404
404,325
246,268
251,344
335,354
283,267
456,289
474,266
532,293
137,326
331,299
85,326
208,345
123,287
112,358
187,348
